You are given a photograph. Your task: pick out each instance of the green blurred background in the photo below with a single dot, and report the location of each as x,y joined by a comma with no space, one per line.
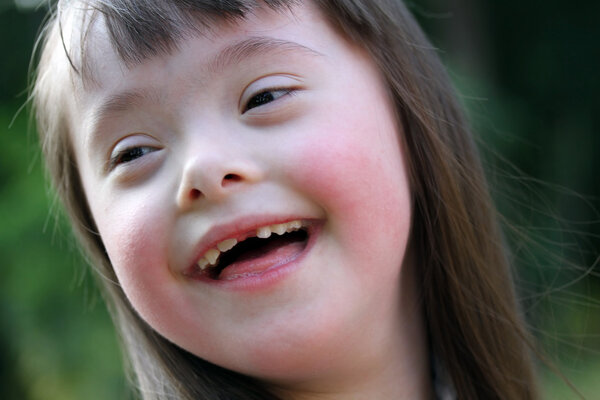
527,73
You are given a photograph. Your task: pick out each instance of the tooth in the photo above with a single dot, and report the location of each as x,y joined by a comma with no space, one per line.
202,263
226,244
294,225
263,232
212,255
279,228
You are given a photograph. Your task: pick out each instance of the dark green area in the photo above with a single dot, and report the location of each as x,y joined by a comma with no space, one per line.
527,73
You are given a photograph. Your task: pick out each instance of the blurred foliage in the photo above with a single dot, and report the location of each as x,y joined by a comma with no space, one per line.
528,75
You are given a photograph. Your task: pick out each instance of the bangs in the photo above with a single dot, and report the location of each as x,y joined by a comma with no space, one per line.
142,29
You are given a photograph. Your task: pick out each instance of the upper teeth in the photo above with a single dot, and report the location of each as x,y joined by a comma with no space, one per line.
211,257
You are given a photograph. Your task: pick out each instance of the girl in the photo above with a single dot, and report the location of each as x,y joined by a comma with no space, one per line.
282,199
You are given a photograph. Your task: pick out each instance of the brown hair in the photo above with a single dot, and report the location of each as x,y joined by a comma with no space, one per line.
464,276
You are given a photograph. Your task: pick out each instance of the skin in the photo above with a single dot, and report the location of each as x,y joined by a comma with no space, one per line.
344,322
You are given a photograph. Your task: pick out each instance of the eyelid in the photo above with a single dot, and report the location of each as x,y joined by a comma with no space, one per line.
129,142
277,82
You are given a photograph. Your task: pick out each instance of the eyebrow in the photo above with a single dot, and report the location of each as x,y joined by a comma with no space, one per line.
122,102
256,46
230,55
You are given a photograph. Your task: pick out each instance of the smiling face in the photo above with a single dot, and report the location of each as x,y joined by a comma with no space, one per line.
271,125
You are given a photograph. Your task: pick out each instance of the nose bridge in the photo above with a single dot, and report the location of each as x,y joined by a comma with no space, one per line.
212,168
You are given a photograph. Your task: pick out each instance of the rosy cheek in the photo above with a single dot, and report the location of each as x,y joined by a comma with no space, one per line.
360,180
330,170
135,241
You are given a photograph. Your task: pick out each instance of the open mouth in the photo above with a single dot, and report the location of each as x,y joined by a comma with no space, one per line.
259,251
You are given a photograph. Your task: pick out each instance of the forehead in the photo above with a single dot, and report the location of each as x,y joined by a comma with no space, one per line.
111,84
102,44
225,41
137,31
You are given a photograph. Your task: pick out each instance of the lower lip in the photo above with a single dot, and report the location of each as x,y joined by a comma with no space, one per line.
269,277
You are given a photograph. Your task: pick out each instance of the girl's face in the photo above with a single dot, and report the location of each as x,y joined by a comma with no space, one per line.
272,120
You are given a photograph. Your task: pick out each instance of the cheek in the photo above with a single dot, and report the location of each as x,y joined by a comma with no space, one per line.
357,173
133,233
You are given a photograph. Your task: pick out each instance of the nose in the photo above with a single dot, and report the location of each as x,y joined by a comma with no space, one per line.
214,177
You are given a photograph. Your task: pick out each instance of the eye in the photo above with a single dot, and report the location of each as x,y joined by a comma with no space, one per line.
129,154
266,97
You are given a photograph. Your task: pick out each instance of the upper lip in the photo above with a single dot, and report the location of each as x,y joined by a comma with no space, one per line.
238,229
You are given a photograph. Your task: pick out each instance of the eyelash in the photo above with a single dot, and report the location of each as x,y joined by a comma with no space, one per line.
129,154
255,100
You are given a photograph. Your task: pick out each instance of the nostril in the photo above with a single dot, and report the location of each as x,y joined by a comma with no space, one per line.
195,193
231,178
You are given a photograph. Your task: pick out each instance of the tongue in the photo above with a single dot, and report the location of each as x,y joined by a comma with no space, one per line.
253,262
